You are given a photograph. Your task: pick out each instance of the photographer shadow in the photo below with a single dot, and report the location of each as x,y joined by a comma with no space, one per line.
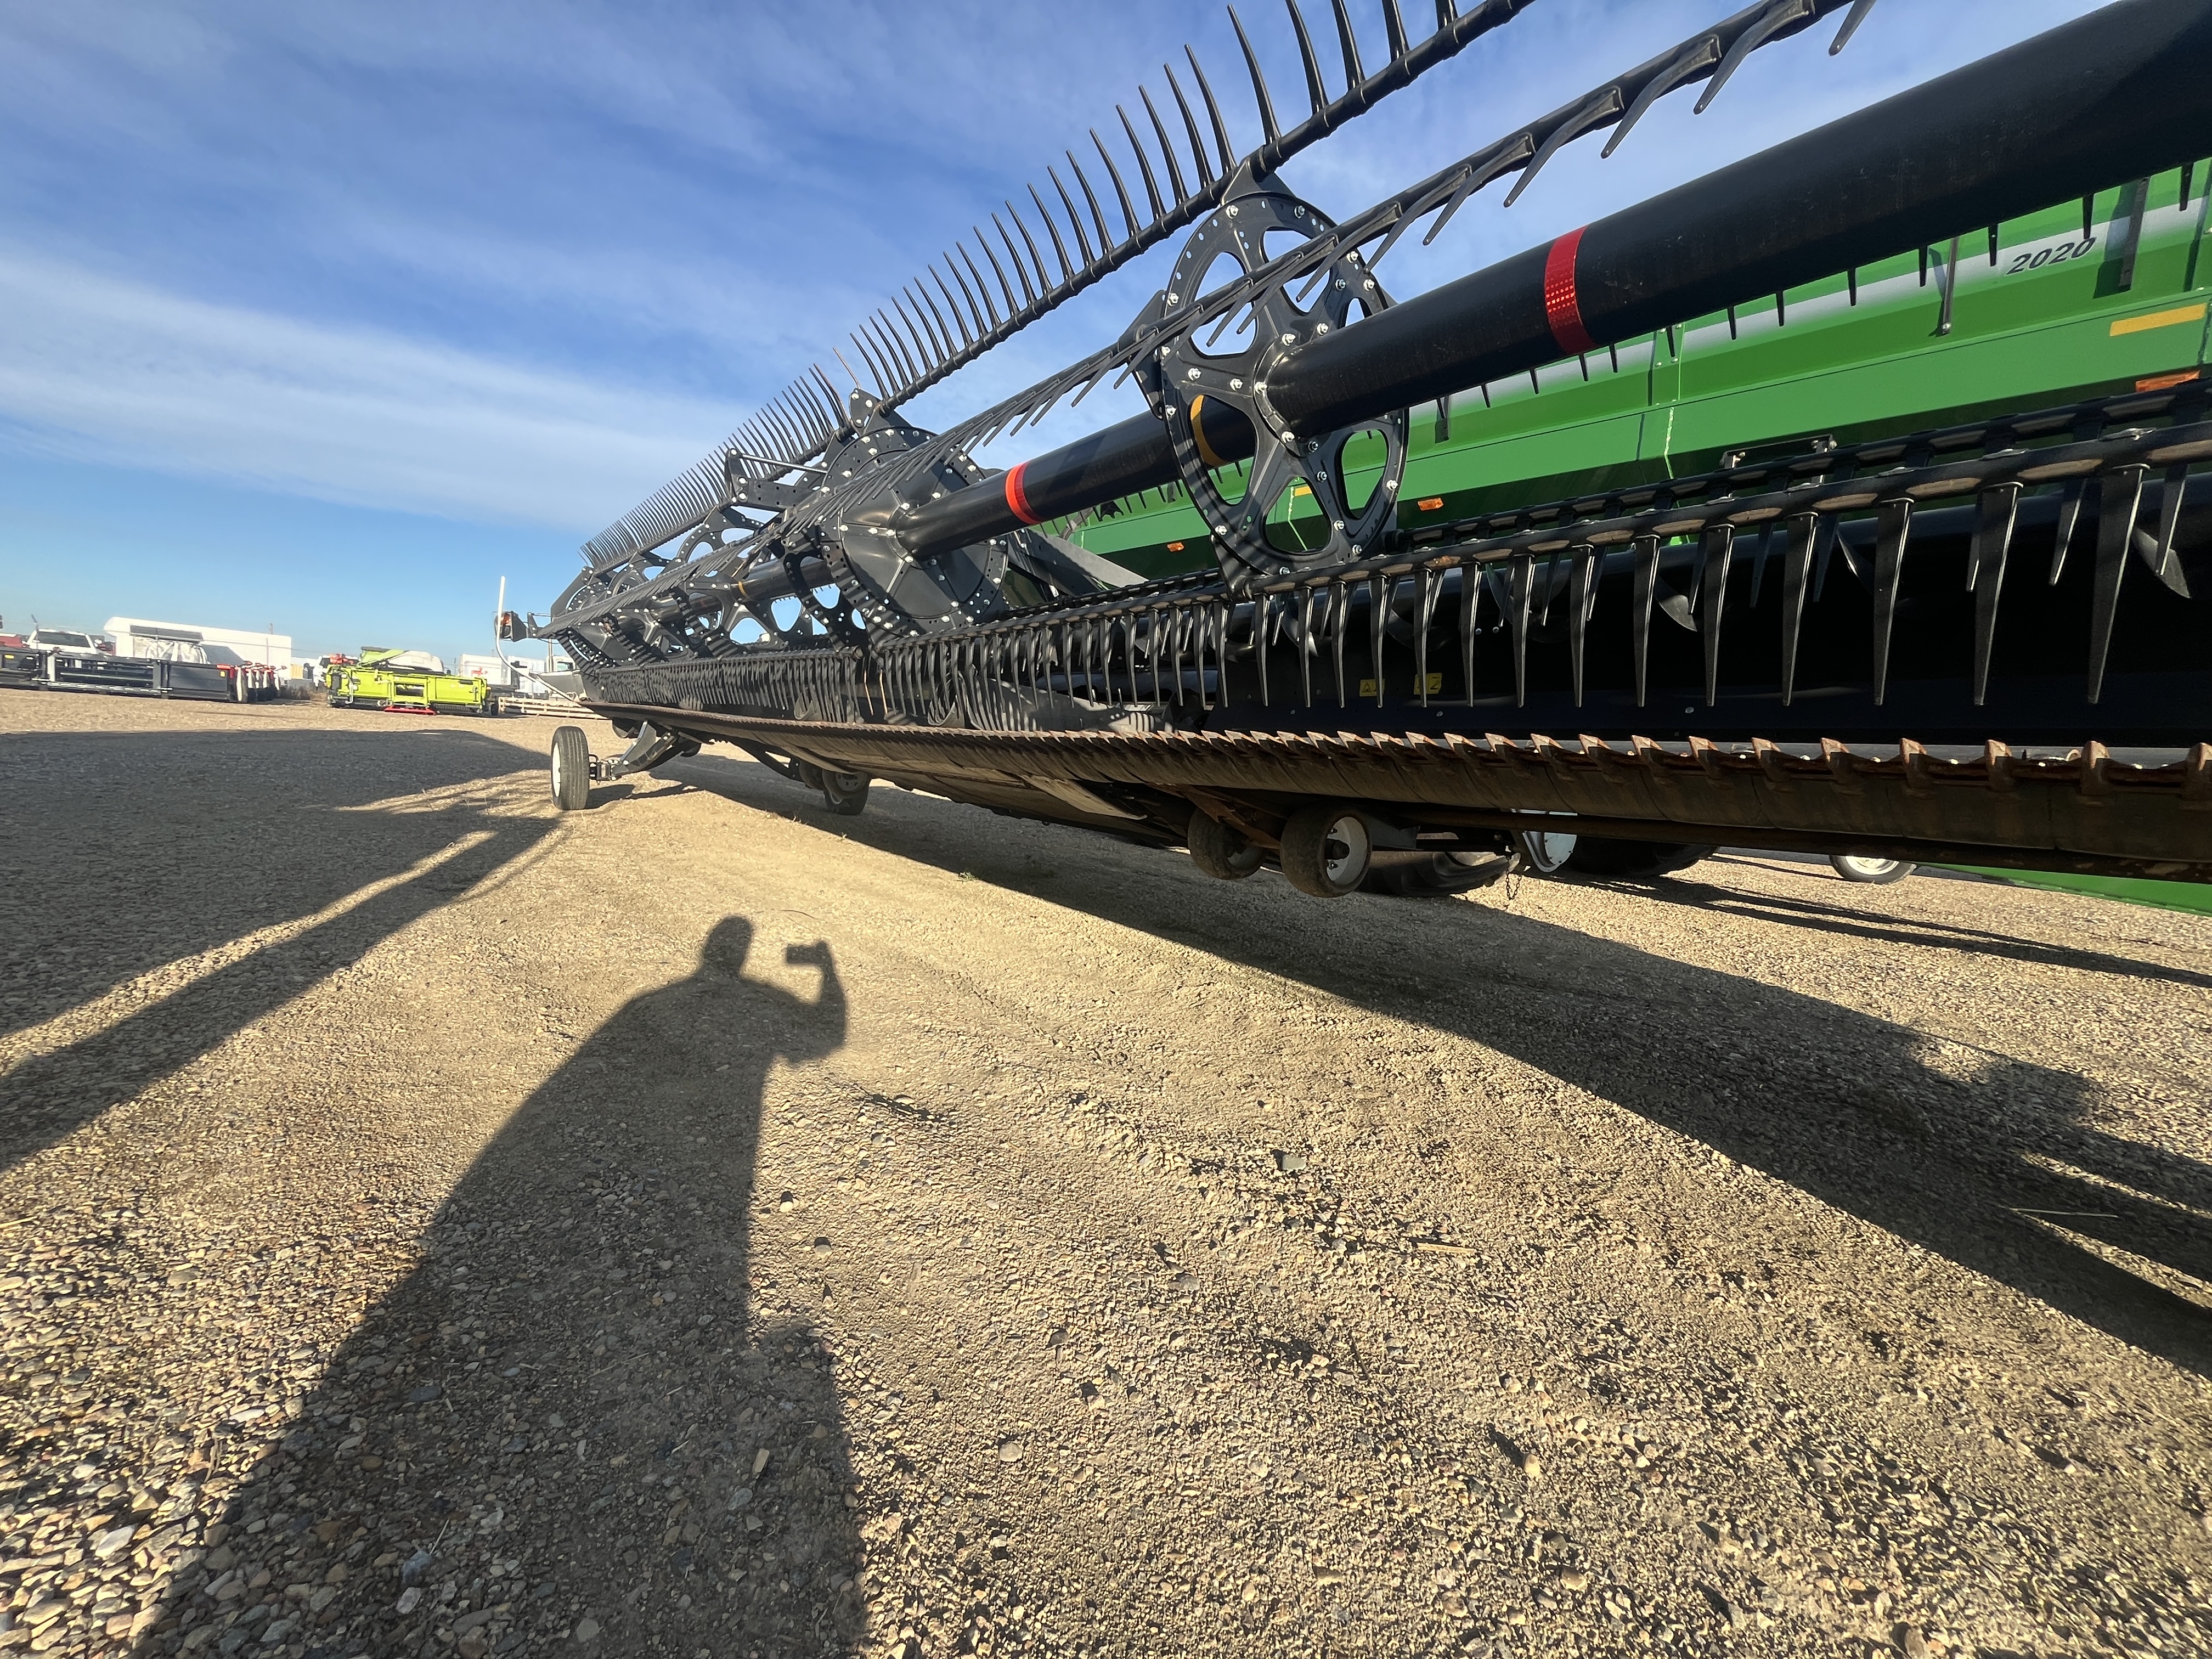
586,1415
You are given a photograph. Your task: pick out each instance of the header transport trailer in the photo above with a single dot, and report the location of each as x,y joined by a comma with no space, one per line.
393,681
1846,499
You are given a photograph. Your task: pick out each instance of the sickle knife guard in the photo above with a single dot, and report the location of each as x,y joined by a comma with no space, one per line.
1949,625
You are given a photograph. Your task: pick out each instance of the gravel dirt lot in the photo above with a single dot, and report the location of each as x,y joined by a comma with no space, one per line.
432,1225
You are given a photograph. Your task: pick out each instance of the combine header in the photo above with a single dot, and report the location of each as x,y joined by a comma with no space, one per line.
1844,498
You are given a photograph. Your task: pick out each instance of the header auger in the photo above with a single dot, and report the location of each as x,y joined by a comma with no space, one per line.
1316,606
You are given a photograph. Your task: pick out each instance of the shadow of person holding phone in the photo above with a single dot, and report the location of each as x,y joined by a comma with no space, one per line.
586,1417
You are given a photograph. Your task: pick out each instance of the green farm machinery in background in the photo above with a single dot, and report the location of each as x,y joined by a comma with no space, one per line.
404,682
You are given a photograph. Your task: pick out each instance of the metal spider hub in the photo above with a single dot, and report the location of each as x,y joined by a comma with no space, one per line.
873,477
1269,529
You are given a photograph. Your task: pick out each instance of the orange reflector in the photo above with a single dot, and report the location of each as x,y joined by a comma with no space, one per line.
1175,547
1429,504
2161,382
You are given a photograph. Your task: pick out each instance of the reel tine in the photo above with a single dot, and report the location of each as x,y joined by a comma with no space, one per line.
2160,555
1029,294
894,350
870,362
798,415
2069,516
1052,229
1091,385
887,336
2119,498
848,367
1997,510
1167,150
924,338
967,334
1190,124
1859,15
788,442
1379,597
1212,115
1339,611
1647,584
1091,195
1121,189
1581,597
1315,92
1704,53
1470,607
1269,132
1778,13
1144,166
1355,75
1394,33
982,286
1607,103
1263,609
1074,219
1305,647
927,313
1893,518
1425,609
1452,204
1720,552
1516,621
1044,281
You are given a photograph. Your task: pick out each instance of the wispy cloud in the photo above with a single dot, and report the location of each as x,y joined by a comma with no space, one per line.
93,367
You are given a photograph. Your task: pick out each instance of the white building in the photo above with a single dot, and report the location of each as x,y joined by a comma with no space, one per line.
188,642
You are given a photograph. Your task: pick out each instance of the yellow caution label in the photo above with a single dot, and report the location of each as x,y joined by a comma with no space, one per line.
2172,318
1435,685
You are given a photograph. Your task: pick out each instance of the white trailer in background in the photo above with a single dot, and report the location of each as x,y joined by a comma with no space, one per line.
228,648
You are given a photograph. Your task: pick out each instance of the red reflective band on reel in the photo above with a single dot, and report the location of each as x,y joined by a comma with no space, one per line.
1560,309
1017,500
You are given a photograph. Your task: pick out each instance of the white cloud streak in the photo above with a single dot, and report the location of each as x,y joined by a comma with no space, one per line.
92,367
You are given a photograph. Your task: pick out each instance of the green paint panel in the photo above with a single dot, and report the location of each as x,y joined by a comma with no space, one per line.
2190,895
2048,322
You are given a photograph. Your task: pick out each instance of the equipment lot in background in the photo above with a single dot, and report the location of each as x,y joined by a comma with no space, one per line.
1156,1264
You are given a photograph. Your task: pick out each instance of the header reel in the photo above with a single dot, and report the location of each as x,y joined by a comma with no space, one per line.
1257,530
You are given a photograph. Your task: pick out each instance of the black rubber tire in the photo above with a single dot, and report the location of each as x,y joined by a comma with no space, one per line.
1326,850
1545,853
1871,871
1596,855
1219,850
845,793
571,769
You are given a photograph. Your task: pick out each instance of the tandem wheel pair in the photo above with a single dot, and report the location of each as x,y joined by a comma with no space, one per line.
1329,851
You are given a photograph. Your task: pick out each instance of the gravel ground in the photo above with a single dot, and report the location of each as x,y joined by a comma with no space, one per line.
701,1226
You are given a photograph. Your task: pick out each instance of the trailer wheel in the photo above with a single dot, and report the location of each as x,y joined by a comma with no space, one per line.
1219,850
572,768
845,793
1543,852
1874,872
1326,850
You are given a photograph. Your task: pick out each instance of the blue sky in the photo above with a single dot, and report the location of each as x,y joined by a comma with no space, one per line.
329,317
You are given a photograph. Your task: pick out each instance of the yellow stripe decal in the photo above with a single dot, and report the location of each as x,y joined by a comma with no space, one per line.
2159,320
1198,435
